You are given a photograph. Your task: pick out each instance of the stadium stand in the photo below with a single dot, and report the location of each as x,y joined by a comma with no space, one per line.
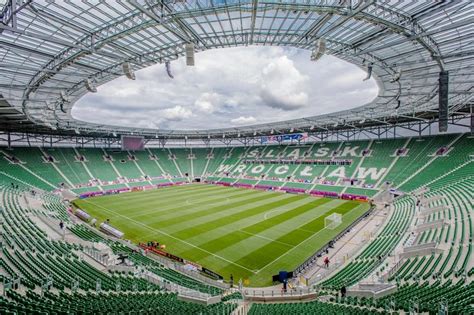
343,207
364,176
69,165
30,255
99,167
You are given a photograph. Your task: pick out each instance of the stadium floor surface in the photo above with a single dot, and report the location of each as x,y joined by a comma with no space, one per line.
248,233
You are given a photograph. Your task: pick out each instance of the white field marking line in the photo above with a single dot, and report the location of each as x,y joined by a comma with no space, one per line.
165,210
163,198
170,198
231,209
305,240
158,193
171,236
265,215
265,238
175,190
323,206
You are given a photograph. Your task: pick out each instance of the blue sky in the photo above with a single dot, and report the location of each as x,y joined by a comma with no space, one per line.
229,87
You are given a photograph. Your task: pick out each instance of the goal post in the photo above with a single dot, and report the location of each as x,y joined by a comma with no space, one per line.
332,221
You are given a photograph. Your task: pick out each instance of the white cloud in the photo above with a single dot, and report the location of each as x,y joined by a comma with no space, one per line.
176,113
207,102
283,86
229,87
242,120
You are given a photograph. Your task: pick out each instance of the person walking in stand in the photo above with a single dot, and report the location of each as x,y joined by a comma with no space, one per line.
326,262
343,291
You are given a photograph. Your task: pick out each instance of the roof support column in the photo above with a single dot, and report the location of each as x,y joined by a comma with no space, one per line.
254,18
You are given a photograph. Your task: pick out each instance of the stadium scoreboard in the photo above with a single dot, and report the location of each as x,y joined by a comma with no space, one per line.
133,143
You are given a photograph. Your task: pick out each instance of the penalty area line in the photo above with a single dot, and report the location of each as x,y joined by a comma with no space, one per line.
171,236
304,241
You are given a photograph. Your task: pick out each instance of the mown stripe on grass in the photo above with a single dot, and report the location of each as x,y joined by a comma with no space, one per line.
239,250
235,237
163,235
214,211
220,231
130,202
292,258
153,195
157,205
295,237
210,218
202,228
160,211
266,224
226,261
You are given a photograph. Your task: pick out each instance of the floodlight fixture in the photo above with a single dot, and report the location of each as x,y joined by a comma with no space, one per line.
90,86
319,49
369,71
396,77
168,69
189,50
64,96
48,106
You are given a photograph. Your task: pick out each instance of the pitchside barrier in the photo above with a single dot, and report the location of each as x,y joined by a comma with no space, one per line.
272,295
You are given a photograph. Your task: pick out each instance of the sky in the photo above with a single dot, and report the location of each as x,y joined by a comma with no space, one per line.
229,87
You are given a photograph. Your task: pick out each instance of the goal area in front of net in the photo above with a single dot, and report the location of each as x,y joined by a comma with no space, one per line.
332,221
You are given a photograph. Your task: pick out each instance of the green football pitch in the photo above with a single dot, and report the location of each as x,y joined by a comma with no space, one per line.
248,233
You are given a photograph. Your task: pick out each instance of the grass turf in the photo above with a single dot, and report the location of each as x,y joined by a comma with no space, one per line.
248,233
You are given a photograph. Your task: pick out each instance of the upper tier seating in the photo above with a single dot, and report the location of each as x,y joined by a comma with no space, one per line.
379,164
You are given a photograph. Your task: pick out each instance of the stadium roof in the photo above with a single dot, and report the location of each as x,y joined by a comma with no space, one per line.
50,51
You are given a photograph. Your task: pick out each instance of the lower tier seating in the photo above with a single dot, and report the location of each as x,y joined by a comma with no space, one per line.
113,303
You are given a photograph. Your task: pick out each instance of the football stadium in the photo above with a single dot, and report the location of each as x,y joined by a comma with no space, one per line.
236,157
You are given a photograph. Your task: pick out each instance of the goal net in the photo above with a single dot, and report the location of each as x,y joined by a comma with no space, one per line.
332,221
